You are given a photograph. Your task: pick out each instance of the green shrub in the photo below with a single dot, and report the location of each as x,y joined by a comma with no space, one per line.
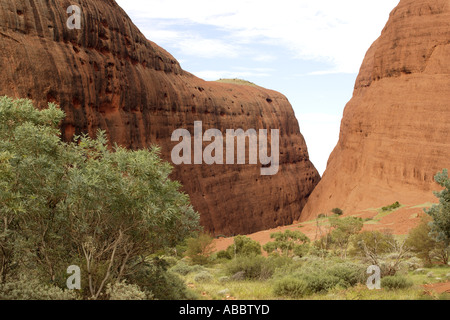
161,283
203,276
288,243
243,246
321,281
171,261
349,274
391,207
395,282
321,276
256,267
184,269
199,249
125,291
224,254
32,289
291,287
251,266
337,211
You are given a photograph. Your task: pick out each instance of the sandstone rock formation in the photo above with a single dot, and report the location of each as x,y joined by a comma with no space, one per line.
395,131
108,75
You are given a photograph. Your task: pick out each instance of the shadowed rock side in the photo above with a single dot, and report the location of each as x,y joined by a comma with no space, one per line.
107,75
395,130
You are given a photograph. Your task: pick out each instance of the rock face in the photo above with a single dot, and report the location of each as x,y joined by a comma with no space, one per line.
395,131
108,75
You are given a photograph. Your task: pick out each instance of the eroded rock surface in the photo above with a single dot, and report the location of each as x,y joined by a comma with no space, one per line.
108,75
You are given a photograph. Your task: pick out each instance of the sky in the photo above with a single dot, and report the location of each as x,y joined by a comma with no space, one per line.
310,51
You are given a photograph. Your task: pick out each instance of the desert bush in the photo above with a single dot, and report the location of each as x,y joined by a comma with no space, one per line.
199,249
256,267
343,230
321,276
349,274
33,289
242,246
224,254
184,269
375,242
337,211
238,276
224,279
203,276
171,261
321,282
163,284
424,244
391,207
251,266
291,287
288,243
124,291
395,282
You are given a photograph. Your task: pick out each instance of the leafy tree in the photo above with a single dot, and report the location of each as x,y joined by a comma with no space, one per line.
375,241
422,242
288,243
244,246
343,230
199,249
104,209
441,212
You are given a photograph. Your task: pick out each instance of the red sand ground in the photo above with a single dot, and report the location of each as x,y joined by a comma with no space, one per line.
438,287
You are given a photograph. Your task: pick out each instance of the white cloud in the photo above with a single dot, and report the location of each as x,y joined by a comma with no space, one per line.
338,32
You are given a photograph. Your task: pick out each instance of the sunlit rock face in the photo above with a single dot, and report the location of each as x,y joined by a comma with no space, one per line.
395,130
108,75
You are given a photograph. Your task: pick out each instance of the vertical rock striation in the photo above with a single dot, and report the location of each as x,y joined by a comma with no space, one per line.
108,75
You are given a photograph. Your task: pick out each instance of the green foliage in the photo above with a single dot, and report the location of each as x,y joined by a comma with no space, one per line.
337,211
349,274
391,207
199,249
425,246
242,246
252,266
184,269
343,230
291,287
288,243
203,276
124,291
256,267
224,254
321,276
375,241
81,202
158,282
33,289
441,212
395,282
